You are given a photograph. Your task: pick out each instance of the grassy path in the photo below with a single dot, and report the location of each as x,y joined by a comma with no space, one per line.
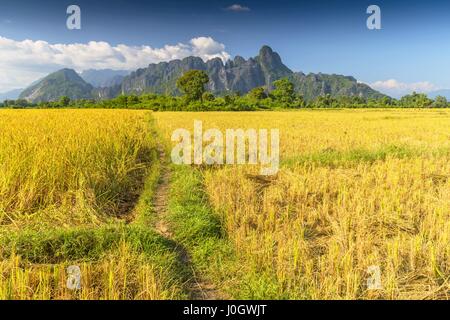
197,287
171,245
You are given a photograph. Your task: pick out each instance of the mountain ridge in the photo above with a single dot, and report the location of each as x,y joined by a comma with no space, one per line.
443,93
236,75
241,75
11,94
101,78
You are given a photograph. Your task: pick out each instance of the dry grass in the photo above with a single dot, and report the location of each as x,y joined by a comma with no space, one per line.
357,189
70,167
66,176
120,275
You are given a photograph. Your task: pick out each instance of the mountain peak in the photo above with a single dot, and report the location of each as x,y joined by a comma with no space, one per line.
67,73
64,82
266,54
238,61
272,65
265,50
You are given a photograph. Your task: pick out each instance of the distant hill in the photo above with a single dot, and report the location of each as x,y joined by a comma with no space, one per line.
10,95
104,78
65,82
234,76
314,85
444,93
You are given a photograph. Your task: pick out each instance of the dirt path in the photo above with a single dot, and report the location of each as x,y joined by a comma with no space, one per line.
198,288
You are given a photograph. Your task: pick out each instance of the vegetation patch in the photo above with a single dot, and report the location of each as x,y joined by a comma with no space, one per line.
85,202
333,158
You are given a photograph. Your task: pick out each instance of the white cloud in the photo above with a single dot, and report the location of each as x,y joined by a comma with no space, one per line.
396,88
238,8
23,62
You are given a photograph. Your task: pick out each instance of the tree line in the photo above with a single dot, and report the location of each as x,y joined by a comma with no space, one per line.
195,97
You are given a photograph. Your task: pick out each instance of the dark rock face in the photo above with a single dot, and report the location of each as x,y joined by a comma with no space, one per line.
106,92
238,75
272,66
314,85
160,78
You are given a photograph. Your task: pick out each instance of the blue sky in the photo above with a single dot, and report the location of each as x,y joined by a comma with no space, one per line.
411,52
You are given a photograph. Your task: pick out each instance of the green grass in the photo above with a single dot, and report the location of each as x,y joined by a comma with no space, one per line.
335,158
58,246
199,229
196,228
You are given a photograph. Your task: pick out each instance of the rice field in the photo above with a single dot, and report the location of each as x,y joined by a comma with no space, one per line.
357,191
68,168
70,184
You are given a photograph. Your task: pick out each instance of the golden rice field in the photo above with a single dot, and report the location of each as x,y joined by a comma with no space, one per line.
356,189
69,180
69,167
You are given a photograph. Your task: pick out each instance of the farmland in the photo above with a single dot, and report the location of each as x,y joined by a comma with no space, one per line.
95,188
70,183
356,189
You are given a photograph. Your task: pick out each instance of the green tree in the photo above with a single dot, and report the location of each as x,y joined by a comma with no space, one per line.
132,100
208,96
192,84
22,103
416,100
64,101
229,99
386,101
120,102
326,101
299,102
440,102
284,91
257,93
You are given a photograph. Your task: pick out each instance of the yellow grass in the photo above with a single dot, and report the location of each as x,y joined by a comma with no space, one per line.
357,189
65,175
122,275
69,167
